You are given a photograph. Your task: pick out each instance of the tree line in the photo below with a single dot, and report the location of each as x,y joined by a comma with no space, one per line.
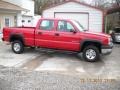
40,5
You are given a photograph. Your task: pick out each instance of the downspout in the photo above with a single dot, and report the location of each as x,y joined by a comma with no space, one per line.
106,22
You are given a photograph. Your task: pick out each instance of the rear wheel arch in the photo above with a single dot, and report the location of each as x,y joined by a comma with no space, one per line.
16,38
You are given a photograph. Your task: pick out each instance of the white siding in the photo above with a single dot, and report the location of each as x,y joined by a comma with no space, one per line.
28,21
35,20
11,18
29,5
95,16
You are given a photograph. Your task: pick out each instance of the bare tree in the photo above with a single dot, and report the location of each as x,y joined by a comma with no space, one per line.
100,3
40,5
118,2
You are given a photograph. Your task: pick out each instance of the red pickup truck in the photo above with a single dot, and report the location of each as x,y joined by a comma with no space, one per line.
59,34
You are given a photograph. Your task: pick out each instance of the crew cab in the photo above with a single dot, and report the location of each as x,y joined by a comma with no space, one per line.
59,34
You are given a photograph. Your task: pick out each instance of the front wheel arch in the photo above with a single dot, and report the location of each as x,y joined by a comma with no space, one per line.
91,43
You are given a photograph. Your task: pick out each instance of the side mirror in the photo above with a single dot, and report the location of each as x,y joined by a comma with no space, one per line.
74,31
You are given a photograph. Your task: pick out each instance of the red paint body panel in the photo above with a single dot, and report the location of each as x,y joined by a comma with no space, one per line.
33,36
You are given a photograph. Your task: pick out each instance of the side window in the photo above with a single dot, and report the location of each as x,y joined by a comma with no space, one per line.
47,25
65,26
7,22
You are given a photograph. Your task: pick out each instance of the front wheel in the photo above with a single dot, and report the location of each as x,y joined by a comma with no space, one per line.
91,54
17,47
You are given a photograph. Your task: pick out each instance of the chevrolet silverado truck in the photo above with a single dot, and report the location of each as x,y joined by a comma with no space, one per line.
59,34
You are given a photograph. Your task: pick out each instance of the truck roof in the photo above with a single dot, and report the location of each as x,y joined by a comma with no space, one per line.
55,19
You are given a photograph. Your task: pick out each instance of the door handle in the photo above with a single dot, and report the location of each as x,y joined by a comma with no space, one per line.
57,34
40,33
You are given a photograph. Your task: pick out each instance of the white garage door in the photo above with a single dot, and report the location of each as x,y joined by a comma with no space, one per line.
83,18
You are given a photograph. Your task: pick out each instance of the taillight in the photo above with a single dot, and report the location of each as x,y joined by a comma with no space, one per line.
3,31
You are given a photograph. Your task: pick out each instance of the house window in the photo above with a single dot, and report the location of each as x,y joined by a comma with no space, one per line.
29,21
7,22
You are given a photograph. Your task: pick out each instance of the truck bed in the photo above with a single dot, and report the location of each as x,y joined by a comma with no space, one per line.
26,32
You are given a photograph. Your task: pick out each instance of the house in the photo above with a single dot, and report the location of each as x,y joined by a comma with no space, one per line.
90,17
13,12
9,14
25,16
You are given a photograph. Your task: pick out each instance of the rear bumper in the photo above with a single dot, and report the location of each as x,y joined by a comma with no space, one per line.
107,49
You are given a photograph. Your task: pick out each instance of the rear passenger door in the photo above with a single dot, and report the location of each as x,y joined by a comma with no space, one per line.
44,35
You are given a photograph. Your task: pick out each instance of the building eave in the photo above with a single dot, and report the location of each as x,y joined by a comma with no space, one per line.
9,6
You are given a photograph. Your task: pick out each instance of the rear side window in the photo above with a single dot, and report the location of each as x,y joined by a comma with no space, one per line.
47,25
65,26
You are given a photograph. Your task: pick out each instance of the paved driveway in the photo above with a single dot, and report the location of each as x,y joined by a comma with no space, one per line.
62,62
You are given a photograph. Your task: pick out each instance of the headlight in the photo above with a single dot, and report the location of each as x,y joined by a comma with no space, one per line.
110,41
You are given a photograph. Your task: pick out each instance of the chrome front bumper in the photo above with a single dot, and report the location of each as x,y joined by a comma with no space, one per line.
107,49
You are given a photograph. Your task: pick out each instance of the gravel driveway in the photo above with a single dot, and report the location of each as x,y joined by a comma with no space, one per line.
53,70
16,79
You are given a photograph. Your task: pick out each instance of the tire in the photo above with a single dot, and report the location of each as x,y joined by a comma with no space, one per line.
91,54
17,47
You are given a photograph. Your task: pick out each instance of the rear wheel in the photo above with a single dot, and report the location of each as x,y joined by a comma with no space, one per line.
91,54
17,47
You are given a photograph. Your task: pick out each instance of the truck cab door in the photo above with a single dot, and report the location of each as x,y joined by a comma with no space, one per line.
44,34
67,37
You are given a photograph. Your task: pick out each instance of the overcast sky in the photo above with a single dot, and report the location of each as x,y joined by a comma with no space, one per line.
88,1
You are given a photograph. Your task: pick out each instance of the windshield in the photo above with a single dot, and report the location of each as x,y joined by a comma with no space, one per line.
78,25
117,30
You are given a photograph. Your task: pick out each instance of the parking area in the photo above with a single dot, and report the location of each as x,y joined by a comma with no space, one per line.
62,62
